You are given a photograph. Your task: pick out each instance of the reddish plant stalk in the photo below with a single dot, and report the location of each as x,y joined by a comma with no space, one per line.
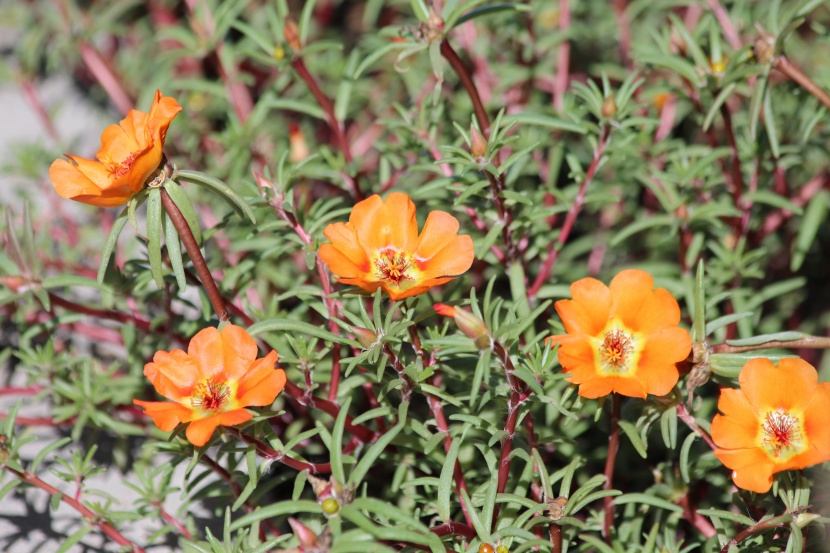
467,81
360,432
32,97
455,529
698,521
555,247
776,522
684,415
267,452
106,77
624,28
725,24
785,66
189,242
610,462
174,522
105,527
810,342
436,406
236,489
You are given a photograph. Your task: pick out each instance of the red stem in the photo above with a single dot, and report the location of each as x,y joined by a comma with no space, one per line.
467,80
267,452
189,242
555,247
87,513
684,415
613,447
563,58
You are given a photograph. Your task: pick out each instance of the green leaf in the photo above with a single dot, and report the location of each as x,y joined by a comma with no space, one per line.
645,499
721,322
292,326
179,197
368,459
154,236
641,225
699,323
684,456
275,510
786,336
109,246
815,215
486,10
547,121
634,436
336,446
445,482
227,193
174,252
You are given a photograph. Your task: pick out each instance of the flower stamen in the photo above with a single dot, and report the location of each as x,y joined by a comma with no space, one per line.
781,433
209,395
615,352
393,266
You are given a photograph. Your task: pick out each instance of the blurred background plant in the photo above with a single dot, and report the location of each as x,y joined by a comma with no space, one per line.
570,139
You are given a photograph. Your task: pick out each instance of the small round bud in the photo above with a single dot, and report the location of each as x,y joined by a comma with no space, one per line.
609,106
478,144
292,34
502,549
331,506
278,53
485,548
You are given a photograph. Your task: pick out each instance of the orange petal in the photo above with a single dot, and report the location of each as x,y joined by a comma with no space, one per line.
751,469
577,357
629,387
199,432
378,227
630,290
659,310
262,385
239,351
344,240
788,387
454,259
342,265
816,417
165,414
596,387
595,299
163,110
172,374
399,294
69,181
739,426
439,231
576,319
205,349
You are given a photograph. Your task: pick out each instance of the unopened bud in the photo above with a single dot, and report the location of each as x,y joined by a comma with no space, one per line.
609,106
278,53
472,327
299,148
764,49
14,283
292,34
434,19
478,144
366,337
306,537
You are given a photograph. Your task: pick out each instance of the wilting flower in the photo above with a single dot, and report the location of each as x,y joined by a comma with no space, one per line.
779,420
130,153
380,248
212,383
623,338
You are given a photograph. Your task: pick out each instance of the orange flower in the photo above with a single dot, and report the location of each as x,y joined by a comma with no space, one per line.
130,153
380,248
623,338
212,383
779,420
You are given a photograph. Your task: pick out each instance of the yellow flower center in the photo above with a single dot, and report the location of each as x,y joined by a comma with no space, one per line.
618,352
394,266
781,435
209,396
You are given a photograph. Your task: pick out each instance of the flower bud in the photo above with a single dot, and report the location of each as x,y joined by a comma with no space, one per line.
298,147
555,508
609,106
14,283
306,537
472,327
478,144
292,34
366,337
